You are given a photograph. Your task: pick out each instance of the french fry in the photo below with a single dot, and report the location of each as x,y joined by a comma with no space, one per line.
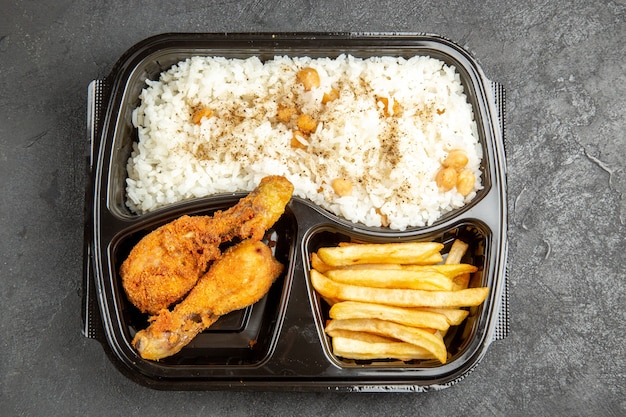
398,297
433,343
461,282
350,348
457,251
392,278
454,316
431,259
362,336
449,270
398,253
318,264
401,315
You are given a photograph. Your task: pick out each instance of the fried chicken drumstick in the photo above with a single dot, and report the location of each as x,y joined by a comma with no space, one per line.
241,277
166,264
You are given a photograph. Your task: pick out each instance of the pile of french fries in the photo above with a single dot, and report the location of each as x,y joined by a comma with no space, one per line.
393,300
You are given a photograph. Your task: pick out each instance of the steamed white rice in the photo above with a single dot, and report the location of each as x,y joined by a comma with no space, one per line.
390,160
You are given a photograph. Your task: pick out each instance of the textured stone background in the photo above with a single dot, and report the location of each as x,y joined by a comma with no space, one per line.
564,69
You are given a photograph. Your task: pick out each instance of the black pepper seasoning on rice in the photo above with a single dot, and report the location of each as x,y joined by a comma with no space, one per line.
364,134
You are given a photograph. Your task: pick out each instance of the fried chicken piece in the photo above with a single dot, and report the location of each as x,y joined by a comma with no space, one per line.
166,264
241,277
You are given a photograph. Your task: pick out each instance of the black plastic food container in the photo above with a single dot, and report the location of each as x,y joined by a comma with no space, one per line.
279,343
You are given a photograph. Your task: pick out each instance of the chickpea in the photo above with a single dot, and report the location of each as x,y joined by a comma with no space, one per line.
332,95
446,178
341,187
298,140
465,182
200,113
457,159
309,78
306,123
284,114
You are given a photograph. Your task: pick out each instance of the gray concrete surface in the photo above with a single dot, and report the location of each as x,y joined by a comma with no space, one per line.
564,69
